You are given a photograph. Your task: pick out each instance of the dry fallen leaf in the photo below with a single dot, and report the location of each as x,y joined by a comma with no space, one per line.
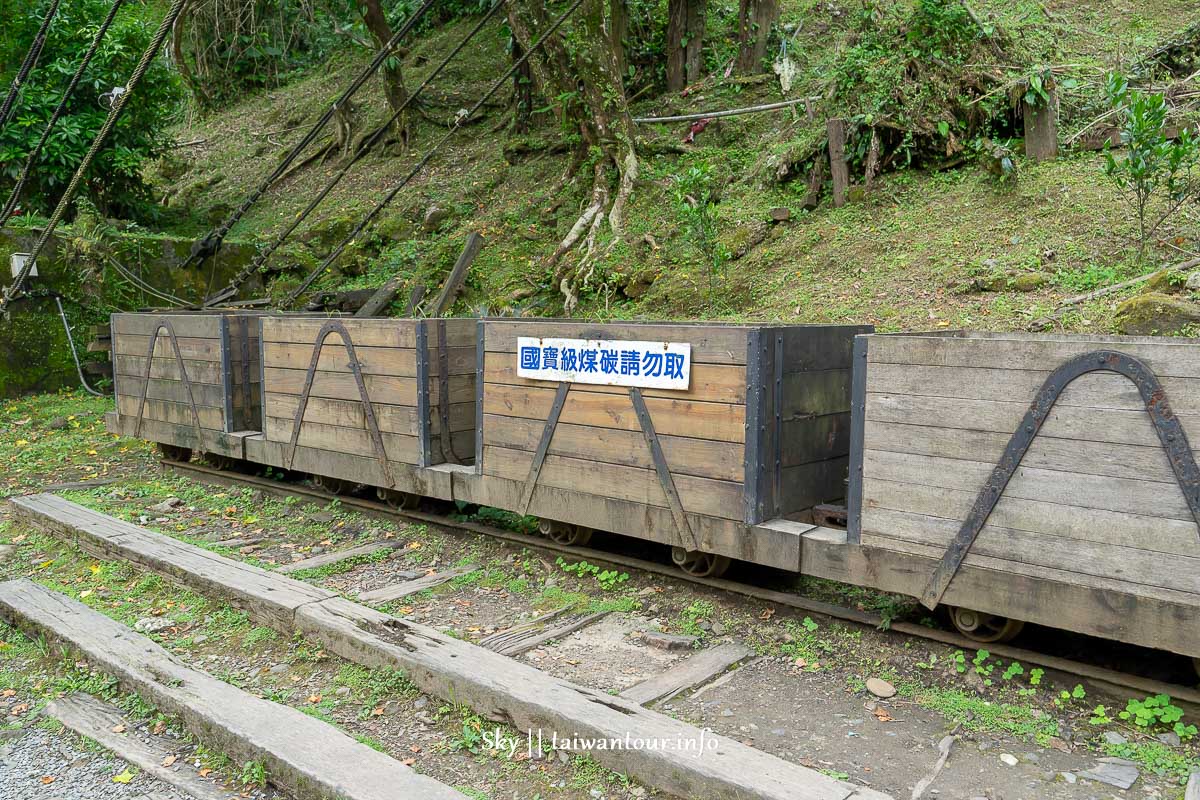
767,613
314,698
168,761
48,779
416,748
124,777
8,693
204,773
118,729
882,714
377,712
19,709
408,762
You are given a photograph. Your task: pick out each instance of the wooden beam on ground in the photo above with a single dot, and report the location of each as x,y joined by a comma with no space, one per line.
406,588
458,275
694,670
513,643
838,168
336,556
302,754
377,303
494,686
99,721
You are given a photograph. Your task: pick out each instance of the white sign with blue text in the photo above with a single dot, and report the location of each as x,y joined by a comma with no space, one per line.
654,365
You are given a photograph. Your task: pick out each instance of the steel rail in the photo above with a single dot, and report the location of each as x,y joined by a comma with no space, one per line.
1113,681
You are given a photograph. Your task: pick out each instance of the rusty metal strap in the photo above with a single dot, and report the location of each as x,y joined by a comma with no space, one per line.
1170,433
445,437
683,529
164,324
336,326
244,416
539,457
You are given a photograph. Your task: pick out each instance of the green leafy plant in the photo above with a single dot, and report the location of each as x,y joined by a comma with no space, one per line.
959,661
695,193
1100,716
254,773
607,578
1158,710
1156,174
1035,676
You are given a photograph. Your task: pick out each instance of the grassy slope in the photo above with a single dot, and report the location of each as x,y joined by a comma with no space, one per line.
890,259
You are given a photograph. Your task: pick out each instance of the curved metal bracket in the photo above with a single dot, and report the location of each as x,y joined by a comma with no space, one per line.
1170,433
164,324
335,326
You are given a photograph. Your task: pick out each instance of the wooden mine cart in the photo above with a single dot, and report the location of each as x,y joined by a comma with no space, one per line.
187,381
1018,477
760,430
366,400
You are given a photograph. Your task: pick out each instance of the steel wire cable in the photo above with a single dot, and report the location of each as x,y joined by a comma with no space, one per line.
31,57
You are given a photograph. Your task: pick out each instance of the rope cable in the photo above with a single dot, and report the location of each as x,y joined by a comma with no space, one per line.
211,243
139,283
114,114
71,344
395,190
15,197
375,138
31,57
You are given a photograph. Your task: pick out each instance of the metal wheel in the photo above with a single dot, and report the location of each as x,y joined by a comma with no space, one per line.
985,628
699,564
332,485
172,452
218,461
401,501
564,533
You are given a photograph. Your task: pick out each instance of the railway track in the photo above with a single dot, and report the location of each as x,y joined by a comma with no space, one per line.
1099,677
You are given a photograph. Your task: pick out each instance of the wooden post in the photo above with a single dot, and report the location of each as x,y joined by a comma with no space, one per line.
836,128
382,298
1041,127
458,274
414,299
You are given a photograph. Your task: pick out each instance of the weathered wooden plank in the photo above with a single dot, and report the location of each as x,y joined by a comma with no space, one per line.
205,394
712,383
1094,390
1081,558
367,332
694,670
335,557
1121,616
302,754
501,688
395,361
396,591
1164,355
342,386
774,547
1068,522
1028,483
717,421
212,441
350,414
189,348
818,347
201,326
355,441
173,413
814,394
98,721
359,469
700,457
207,372
458,275
1119,426
806,485
698,495
1147,462
711,344
814,439
523,642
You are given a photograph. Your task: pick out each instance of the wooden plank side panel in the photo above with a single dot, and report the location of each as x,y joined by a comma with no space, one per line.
808,348
173,413
201,326
317,436
189,347
350,414
205,394
399,333
167,368
711,344
398,361
702,496
719,421
814,394
380,388
700,457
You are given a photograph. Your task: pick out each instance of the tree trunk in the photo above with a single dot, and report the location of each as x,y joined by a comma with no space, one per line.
393,81
685,38
755,18
618,20
522,91
600,111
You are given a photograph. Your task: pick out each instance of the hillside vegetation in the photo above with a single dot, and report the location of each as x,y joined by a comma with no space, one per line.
957,229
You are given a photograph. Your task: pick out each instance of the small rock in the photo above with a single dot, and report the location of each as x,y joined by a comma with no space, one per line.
1029,281
1010,759
1112,737
718,629
1169,739
420,702
1030,758
153,624
563,757
57,424
1193,281
342,691
1155,313
199,638
781,214
170,504
725,712
596,793
704,626
281,669
668,641
1068,777
434,217
880,688
322,517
